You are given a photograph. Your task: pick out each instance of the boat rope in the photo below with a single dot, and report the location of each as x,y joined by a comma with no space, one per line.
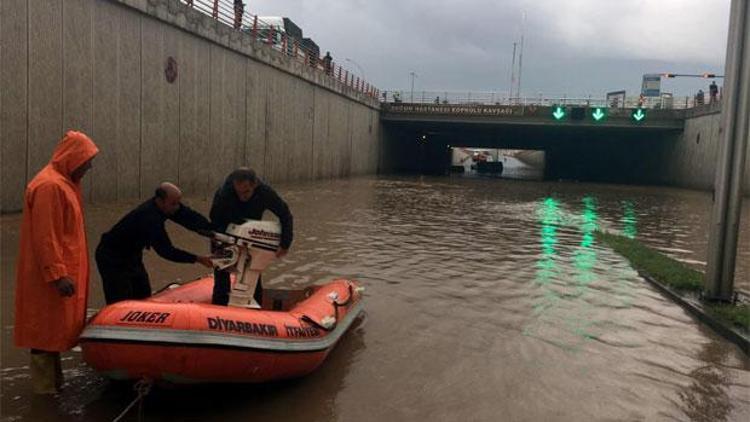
142,388
336,304
348,300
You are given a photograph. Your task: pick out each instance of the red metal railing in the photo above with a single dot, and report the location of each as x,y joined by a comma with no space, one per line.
235,16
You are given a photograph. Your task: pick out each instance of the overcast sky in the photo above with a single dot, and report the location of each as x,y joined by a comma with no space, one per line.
572,47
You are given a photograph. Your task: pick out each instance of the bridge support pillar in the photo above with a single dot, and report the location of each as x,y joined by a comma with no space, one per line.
725,218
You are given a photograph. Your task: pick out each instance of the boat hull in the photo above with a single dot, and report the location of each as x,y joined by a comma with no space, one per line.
178,337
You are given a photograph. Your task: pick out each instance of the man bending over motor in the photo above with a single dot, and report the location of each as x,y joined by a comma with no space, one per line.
119,255
244,196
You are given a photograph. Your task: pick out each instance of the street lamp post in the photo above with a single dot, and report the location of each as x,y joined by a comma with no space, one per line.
413,75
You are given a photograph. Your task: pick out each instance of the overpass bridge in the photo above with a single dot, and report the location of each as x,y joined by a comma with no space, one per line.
557,117
580,142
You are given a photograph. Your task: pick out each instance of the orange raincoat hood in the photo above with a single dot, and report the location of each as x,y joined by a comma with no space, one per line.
74,149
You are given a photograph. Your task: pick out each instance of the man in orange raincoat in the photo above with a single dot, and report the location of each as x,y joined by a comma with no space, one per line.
52,277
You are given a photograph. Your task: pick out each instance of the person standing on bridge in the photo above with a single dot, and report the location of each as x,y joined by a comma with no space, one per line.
713,92
699,98
52,276
119,255
328,63
244,196
239,10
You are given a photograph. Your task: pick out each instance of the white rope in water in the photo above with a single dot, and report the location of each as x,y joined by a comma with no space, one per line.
142,388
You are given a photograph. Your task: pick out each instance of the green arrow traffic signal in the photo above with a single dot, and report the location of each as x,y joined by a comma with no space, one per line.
598,114
639,114
558,112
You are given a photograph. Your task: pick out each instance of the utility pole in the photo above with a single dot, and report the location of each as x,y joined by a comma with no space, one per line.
520,55
725,217
413,75
512,73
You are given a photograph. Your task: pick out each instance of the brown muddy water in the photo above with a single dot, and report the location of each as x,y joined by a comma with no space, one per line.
486,300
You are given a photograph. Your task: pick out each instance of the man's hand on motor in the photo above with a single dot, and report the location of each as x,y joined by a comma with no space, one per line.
65,286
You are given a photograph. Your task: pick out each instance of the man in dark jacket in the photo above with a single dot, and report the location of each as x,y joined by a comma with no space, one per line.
244,196
119,255
328,63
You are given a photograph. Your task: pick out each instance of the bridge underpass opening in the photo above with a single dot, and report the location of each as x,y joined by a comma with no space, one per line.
571,153
498,162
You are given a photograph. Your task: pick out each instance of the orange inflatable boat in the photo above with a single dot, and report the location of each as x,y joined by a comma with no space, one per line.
178,336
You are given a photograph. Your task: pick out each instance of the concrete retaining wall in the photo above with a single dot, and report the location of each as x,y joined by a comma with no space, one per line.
690,161
98,66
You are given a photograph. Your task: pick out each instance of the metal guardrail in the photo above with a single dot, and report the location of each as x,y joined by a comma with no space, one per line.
233,14
657,118
500,98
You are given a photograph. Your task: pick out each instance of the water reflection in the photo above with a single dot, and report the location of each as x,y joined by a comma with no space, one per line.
556,268
584,257
311,398
629,220
549,218
548,213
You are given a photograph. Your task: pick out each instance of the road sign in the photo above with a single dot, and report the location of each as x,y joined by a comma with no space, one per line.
639,114
599,114
616,99
651,86
558,112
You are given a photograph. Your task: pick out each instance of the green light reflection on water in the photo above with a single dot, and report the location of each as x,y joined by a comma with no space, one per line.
584,258
584,261
551,311
567,312
549,215
629,220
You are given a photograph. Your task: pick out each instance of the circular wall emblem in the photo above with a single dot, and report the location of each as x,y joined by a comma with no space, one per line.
170,71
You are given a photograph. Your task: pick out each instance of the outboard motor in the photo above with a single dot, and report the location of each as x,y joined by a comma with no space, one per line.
247,249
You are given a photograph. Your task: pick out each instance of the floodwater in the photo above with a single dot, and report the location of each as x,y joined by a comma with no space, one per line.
486,300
